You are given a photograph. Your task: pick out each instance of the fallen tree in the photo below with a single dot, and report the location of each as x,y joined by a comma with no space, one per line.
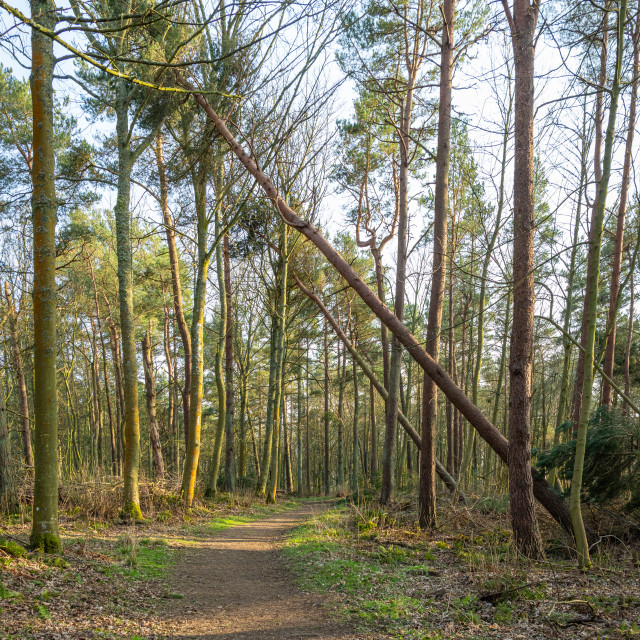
543,492
445,476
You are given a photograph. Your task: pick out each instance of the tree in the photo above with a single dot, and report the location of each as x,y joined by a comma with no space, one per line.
522,23
44,532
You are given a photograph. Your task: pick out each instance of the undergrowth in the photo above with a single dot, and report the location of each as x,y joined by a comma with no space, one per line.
464,580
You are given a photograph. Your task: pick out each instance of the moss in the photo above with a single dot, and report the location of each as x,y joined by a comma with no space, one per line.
12,548
131,511
47,542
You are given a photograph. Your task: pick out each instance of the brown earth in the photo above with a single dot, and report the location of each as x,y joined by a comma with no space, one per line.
236,585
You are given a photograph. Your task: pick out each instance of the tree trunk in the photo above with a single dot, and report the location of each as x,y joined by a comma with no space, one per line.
8,488
543,492
622,209
591,307
229,458
150,388
356,411
131,507
395,362
192,453
627,351
25,427
176,285
44,532
375,383
326,408
523,518
597,170
427,493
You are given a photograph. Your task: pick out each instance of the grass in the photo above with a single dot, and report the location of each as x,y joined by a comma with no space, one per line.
463,580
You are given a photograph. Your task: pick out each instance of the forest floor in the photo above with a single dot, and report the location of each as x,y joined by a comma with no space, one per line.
236,569
215,574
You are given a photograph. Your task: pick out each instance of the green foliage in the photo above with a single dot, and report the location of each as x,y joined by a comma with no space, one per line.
612,461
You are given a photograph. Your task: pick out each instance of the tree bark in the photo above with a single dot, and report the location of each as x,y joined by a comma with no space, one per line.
174,263
543,492
614,291
150,388
523,518
44,532
591,307
229,459
25,427
427,494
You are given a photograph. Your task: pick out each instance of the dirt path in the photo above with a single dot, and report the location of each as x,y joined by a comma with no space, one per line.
236,585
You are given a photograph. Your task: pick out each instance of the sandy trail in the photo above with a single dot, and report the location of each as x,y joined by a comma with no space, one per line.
236,585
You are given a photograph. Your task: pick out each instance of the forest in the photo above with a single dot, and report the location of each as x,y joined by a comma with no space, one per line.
359,272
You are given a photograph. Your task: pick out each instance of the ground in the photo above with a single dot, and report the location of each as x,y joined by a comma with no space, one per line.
234,568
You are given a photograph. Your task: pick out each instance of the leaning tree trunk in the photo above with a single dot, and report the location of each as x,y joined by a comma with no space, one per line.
25,428
427,494
542,491
523,517
44,531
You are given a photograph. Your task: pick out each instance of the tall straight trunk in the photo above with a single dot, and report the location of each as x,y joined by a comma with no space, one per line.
242,427
279,417
523,517
150,388
131,505
568,310
356,415
229,458
212,483
597,171
299,490
373,464
192,452
268,440
8,487
627,351
542,491
97,395
171,383
342,365
105,375
280,358
117,372
176,285
503,360
307,449
395,361
622,209
593,275
25,427
44,532
427,493
326,408
288,473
